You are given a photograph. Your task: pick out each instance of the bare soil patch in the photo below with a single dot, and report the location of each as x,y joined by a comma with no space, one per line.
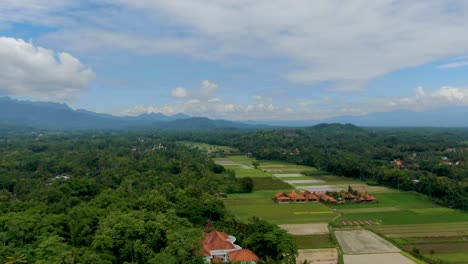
318,256
286,175
363,241
303,181
383,258
306,229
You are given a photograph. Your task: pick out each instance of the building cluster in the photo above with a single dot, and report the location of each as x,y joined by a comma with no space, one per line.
307,196
219,247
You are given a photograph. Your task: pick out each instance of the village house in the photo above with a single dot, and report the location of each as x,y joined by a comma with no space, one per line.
326,198
310,196
219,247
281,197
297,197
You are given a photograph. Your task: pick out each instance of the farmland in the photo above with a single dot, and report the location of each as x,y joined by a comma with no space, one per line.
404,219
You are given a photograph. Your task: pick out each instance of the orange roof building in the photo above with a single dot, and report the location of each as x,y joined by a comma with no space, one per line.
327,199
310,196
217,247
349,196
281,197
297,197
370,198
243,256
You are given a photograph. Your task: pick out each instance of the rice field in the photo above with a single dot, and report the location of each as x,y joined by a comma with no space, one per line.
262,206
406,219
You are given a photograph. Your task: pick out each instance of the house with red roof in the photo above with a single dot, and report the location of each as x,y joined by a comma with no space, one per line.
219,247
281,197
297,197
370,198
310,196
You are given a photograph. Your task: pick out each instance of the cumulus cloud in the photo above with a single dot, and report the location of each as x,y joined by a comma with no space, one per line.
207,90
28,70
301,109
180,92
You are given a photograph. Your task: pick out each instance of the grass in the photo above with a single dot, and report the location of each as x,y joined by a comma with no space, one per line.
264,183
260,204
424,230
406,217
402,200
453,258
415,260
241,172
314,241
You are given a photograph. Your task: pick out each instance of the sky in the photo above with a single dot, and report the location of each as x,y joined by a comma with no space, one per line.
237,59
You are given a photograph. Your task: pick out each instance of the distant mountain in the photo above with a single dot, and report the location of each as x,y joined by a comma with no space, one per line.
443,117
55,116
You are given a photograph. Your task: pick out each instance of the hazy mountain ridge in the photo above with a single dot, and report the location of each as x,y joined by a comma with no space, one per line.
442,117
55,116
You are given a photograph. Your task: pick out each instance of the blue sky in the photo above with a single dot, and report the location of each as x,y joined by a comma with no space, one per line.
237,59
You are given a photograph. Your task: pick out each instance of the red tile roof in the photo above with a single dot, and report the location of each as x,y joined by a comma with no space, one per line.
369,197
296,196
349,195
280,194
310,196
242,255
216,240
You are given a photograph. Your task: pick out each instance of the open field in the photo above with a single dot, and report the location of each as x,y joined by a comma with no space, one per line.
306,229
424,230
361,241
295,182
314,241
269,183
453,258
207,147
335,188
248,172
261,205
408,219
381,258
318,256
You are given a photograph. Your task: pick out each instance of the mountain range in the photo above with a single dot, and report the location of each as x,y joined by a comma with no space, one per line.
57,116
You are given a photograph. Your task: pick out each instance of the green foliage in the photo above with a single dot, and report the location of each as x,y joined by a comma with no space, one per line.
107,198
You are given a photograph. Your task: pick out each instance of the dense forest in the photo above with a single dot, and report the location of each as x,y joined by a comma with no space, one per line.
427,160
118,198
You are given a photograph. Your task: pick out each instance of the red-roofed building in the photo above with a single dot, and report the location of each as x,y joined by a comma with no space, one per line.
243,256
370,198
217,246
297,197
310,196
281,197
349,196
327,199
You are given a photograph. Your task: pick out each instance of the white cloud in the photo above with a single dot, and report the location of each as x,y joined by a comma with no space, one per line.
452,65
345,42
51,13
31,71
207,90
180,92
301,109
